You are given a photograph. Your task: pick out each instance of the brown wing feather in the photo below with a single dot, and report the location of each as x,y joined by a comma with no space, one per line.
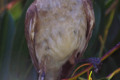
90,17
87,4
30,23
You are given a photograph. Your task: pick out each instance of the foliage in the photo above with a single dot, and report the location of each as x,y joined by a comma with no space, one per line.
15,63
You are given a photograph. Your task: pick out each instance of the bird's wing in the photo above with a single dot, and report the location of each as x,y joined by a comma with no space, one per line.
30,23
90,17
87,4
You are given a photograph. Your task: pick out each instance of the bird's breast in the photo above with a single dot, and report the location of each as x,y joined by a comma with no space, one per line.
60,30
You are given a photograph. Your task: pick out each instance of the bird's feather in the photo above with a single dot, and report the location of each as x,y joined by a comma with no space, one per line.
57,30
88,8
30,23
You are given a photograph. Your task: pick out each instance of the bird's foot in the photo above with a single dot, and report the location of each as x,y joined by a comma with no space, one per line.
96,62
41,75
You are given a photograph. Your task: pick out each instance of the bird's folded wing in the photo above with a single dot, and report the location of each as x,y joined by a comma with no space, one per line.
30,23
90,17
88,8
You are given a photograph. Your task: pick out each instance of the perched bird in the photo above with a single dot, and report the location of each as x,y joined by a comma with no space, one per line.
57,31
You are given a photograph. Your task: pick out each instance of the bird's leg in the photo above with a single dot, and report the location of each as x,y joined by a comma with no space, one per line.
96,62
72,59
42,75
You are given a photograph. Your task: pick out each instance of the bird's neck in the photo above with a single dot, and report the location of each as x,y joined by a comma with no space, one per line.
48,3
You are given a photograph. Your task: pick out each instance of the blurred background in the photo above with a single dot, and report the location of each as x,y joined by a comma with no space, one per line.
15,62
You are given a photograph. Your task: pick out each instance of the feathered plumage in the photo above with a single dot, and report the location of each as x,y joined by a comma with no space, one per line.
56,31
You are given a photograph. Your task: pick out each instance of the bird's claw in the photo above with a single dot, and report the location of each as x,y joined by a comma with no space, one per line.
96,62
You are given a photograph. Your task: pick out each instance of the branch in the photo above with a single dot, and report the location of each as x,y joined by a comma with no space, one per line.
109,53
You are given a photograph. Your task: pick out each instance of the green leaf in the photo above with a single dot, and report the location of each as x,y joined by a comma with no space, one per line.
20,61
7,32
16,10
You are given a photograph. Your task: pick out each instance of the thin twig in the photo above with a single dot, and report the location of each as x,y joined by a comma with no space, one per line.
113,6
112,74
106,32
109,53
88,73
79,68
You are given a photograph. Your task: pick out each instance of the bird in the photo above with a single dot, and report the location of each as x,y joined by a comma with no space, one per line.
57,31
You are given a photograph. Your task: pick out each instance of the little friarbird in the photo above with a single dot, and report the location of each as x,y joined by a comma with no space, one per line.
57,31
